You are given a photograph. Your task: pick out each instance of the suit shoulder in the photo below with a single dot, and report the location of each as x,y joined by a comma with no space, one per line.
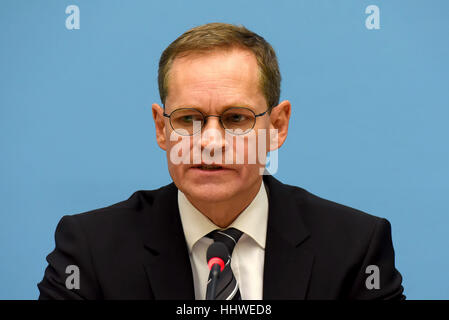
339,211
122,211
338,230
321,214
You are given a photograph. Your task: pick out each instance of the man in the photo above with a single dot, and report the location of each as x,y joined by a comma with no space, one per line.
281,241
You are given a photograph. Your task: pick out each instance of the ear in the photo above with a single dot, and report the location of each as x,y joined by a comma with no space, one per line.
279,119
159,123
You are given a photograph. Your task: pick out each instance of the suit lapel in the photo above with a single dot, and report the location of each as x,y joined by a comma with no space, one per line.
288,260
166,258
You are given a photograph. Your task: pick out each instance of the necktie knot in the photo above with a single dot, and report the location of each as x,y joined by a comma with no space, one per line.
228,237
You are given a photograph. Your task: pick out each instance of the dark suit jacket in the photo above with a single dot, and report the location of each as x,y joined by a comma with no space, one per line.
135,249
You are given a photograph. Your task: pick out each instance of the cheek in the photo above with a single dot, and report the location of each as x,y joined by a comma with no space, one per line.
179,150
174,168
177,172
253,150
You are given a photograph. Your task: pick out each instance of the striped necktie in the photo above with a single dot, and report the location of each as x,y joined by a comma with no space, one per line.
227,286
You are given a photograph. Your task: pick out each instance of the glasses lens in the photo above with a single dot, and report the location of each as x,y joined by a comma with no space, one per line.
239,119
186,121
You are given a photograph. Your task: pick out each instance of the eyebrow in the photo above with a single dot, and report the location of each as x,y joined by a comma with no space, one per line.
227,106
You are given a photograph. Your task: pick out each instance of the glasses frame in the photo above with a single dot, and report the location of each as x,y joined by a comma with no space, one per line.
217,116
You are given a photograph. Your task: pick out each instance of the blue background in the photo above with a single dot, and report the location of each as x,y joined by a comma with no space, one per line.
368,128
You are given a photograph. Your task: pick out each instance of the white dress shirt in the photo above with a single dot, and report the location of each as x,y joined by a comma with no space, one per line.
248,255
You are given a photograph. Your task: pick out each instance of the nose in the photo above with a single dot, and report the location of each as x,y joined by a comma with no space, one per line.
212,135
212,122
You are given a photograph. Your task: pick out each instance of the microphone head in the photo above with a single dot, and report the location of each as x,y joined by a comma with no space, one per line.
217,251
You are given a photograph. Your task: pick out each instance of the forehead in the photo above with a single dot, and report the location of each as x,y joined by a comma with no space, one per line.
219,77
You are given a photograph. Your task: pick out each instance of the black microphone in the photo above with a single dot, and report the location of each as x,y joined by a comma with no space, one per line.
217,254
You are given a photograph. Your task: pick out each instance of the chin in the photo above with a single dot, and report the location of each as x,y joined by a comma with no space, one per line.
211,192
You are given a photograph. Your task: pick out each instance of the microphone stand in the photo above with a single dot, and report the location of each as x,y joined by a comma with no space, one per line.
212,288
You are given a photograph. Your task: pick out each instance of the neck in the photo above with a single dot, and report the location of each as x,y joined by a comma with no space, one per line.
223,213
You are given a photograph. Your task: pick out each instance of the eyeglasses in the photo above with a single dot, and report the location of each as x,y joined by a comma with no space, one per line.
235,120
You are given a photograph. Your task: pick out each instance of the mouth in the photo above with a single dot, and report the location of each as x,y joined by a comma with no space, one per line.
209,167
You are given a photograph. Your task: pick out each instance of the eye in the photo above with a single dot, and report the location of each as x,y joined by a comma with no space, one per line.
187,119
235,117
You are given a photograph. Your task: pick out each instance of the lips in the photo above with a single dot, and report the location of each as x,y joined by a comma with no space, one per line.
210,167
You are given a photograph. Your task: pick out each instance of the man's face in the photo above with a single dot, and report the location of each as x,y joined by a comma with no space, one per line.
212,83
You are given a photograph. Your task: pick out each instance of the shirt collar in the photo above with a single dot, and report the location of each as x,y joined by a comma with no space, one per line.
252,221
